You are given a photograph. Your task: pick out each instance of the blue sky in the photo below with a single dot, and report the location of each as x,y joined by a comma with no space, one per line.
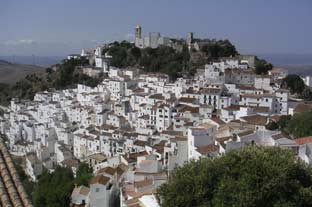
59,27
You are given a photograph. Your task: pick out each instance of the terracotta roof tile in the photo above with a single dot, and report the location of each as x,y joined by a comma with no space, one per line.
303,140
208,149
255,119
99,179
302,107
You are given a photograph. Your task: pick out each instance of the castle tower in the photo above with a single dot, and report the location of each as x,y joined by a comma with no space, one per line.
189,38
138,32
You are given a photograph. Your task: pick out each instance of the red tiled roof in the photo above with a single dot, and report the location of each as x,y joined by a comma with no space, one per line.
207,149
223,139
108,170
217,120
302,107
187,100
245,133
303,140
101,179
232,108
279,136
255,119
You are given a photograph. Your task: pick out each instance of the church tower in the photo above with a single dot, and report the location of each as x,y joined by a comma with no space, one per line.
189,39
138,32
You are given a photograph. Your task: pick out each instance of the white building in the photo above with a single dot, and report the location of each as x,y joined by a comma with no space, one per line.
198,137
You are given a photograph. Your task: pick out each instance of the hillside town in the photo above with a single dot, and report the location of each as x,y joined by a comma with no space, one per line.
135,128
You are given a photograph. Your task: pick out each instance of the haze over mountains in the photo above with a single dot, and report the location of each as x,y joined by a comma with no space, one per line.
300,64
44,61
10,73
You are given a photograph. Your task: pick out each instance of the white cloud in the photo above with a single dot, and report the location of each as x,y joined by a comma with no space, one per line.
20,42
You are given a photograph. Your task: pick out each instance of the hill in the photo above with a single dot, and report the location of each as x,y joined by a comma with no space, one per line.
10,73
43,61
175,61
301,70
68,75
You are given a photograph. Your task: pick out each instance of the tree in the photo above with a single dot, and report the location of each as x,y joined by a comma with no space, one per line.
283,122
174,62
306,94
83,174
216,49
53,189
272,125
252,176
49,70
300,125
294,83
135,52
262,66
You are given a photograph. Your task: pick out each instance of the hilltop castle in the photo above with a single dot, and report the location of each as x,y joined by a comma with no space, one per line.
153,40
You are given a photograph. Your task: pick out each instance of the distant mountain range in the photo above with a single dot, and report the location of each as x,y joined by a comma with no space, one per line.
287,59
293,63
10,73
44,61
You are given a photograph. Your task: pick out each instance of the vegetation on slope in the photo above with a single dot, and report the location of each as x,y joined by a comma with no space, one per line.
297,86
12,72
299,125
294,83
54,189
262,66
83,174
175,63
252,176
68,75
